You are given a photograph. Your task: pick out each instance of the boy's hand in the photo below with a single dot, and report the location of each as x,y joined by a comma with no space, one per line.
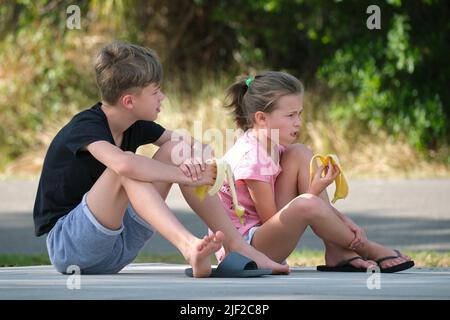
207,177
319,183
193,168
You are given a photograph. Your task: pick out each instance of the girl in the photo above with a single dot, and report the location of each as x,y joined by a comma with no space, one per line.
272,182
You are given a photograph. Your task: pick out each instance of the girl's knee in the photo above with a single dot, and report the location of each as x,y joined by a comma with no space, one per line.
297,151
299,148
307,206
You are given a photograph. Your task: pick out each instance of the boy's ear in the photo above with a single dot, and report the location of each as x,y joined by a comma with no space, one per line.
260,117
127,101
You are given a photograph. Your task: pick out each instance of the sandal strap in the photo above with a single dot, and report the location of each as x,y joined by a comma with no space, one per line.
347,261
399,255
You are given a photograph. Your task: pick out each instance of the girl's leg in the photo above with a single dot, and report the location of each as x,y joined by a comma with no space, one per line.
278,236
294,180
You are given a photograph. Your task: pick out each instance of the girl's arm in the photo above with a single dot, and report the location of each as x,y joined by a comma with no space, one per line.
263,198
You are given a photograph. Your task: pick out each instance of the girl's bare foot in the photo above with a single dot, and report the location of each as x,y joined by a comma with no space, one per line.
200,256
335,254
261,259
377,251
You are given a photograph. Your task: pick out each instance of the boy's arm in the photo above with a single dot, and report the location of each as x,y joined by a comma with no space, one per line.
166,136
136,166
263,198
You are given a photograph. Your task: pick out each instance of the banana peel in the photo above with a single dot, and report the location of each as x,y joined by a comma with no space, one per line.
223,172
341,183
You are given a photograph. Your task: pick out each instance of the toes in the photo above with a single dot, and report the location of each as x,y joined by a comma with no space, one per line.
371,263
219,236
392,263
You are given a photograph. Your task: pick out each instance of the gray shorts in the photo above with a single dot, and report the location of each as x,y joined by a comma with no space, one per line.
78,239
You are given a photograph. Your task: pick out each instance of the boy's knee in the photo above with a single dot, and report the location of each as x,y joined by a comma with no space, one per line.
174,152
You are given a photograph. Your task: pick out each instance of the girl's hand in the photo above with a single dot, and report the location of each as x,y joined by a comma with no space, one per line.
319,183
360,237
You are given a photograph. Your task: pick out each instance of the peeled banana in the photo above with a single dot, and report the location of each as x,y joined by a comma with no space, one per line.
223,171
341,183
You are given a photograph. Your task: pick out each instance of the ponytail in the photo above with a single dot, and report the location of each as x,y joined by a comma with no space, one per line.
235,94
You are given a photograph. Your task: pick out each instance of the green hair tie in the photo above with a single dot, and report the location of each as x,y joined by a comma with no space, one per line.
248,81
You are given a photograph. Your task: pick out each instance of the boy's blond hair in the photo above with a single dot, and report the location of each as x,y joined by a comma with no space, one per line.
121,66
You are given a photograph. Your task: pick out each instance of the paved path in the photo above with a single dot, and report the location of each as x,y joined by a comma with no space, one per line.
165,281
411,214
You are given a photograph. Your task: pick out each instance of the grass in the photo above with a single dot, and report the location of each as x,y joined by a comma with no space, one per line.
429,259
422,259
20,260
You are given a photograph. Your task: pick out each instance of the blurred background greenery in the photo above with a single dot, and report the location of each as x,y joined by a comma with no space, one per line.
377,98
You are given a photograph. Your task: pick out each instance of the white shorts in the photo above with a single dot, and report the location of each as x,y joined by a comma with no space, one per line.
249,235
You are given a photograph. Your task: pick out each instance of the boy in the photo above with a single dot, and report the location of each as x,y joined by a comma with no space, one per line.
99,202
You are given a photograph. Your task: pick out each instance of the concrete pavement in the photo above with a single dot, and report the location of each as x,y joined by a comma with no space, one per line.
166,281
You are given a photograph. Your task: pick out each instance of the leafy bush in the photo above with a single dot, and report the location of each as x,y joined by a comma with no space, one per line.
382,84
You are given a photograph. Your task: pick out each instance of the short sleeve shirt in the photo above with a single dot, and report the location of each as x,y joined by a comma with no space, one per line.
249,160
69,170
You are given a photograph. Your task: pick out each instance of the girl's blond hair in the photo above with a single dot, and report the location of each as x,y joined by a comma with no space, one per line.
249,95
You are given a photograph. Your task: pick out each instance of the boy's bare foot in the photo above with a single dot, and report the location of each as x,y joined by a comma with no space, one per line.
334,255
261,259
200,257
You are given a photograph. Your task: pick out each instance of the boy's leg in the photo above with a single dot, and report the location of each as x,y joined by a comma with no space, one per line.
111,200
294,180
212,212
110,195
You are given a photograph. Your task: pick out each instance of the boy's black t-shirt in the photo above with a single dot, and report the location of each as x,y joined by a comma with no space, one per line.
69,172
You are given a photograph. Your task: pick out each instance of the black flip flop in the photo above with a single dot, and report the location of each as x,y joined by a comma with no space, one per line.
235,265
343,266
396,268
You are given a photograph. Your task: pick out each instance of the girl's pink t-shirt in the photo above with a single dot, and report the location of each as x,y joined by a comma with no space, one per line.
249,159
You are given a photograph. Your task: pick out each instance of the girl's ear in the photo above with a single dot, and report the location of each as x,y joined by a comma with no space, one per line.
260,118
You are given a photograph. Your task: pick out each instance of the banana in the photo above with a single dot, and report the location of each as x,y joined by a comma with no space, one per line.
223,172
341,183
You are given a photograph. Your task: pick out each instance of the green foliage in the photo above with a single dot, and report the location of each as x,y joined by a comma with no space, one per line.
391,79
386,81
394,79
39,81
